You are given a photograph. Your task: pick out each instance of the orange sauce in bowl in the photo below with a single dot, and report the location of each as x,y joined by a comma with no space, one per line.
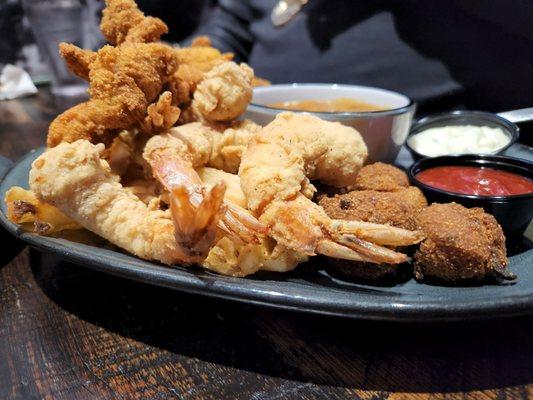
341,104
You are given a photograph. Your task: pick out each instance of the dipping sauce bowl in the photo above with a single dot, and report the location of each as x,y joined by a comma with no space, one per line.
463,118
384,131
513,212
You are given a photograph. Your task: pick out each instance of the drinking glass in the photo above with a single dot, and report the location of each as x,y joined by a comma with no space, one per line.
53,22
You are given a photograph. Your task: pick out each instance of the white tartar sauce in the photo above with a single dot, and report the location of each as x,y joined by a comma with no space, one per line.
459,139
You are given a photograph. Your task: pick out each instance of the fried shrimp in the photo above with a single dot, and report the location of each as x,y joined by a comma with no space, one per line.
74,178
123,82
224,92
174,159
122,21
160,116
194,62
237,258
78,60
217,145
462,244
87,192
275,173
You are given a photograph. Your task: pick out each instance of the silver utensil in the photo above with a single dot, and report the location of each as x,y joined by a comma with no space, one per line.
285,11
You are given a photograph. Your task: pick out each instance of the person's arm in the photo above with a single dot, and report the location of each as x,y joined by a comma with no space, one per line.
228,28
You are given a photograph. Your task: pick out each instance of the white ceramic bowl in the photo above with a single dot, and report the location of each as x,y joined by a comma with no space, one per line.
383,131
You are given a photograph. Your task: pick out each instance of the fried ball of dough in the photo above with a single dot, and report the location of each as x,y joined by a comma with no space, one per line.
461,244
399,208
381,177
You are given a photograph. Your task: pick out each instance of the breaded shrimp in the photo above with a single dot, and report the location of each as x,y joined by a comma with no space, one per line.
224,92
217,145
399,208
237,258
78,60
123,82
161,115
74,178
174,165
381,177
194,63
461,244
275,172
122,21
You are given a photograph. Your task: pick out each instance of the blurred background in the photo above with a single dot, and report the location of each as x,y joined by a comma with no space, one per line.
445,55
30,31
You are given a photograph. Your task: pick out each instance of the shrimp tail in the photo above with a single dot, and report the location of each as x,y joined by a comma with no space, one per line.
195,227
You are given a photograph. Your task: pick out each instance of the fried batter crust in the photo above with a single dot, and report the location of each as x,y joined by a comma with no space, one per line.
122,21
461,244
78,60
399,208
124,81
224,92
381,177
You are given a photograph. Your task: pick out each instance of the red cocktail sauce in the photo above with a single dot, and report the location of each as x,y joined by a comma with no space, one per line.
476,180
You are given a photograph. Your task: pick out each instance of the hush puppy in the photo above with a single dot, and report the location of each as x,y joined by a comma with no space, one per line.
399,208
462,244
381,177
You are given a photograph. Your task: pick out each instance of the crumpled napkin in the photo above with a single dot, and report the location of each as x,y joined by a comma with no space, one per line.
15,82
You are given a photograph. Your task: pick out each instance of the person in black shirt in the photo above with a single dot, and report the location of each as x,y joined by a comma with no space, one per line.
444,54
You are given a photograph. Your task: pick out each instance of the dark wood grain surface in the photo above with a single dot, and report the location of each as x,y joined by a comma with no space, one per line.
67,332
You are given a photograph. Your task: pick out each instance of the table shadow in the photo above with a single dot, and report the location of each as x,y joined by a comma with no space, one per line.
395,357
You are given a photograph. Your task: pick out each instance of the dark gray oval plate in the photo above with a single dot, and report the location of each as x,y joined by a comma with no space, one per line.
309,288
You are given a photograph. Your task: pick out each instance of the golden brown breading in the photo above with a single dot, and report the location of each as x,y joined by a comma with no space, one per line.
78,60
399,208
122,21
160,116
461,244
194,62
224,92
201,41
381,177
124,81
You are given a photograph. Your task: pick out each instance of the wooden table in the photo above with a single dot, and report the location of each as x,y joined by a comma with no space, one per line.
67,332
